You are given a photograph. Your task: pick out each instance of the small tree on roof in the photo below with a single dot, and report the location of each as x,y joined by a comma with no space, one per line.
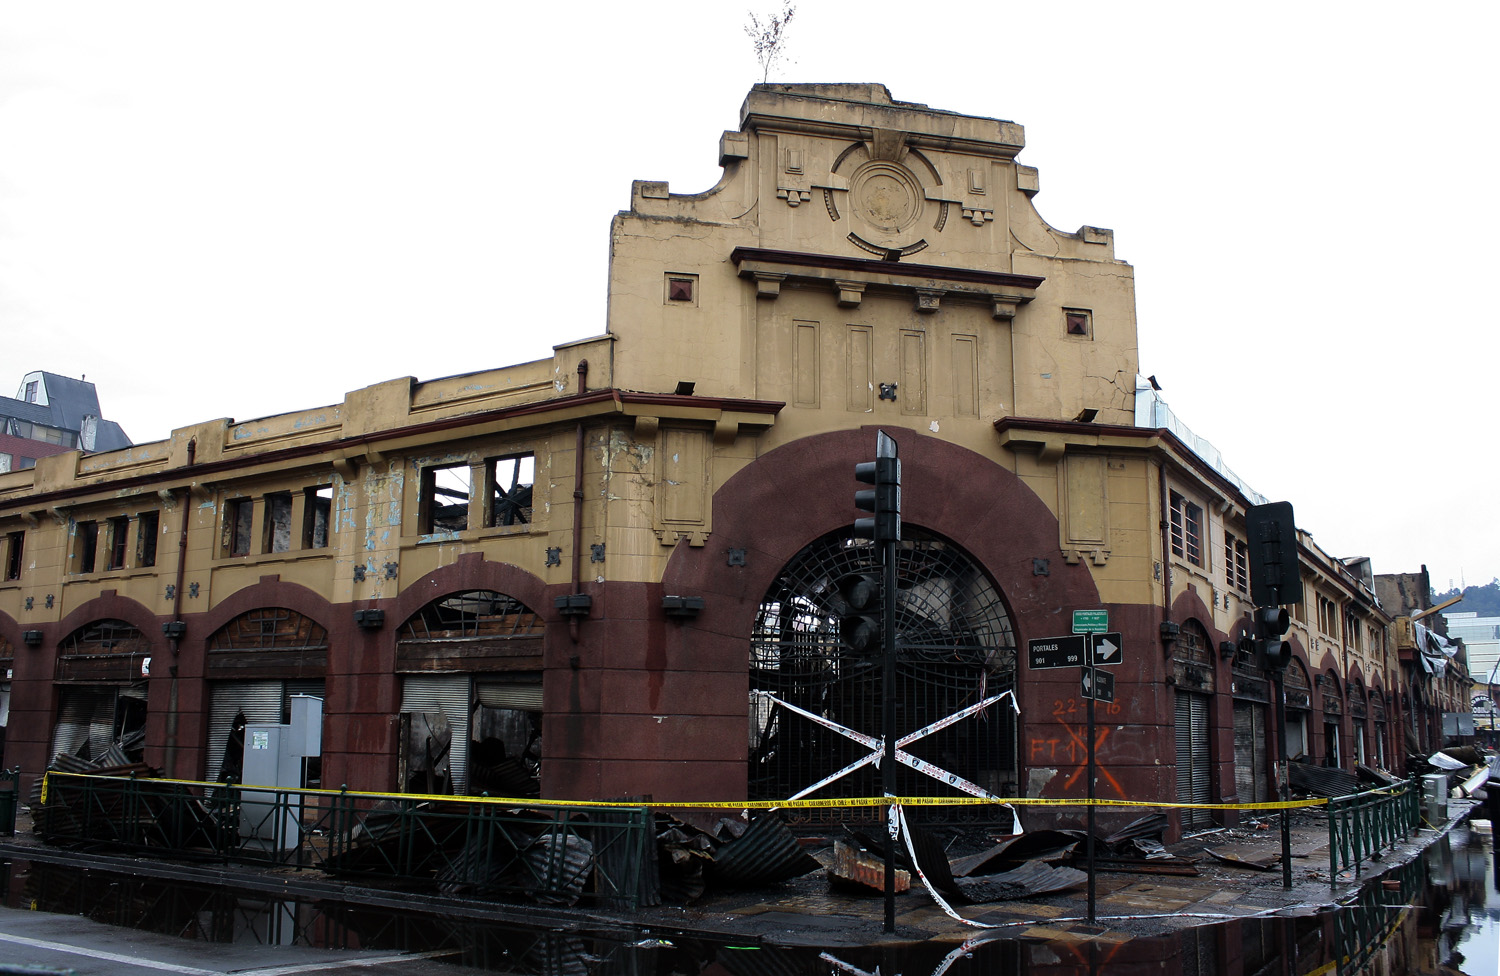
769,37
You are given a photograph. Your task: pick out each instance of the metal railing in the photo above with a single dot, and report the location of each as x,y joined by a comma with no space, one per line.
541,851
10,798
1361,825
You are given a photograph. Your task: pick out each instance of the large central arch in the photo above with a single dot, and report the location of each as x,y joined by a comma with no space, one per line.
813,648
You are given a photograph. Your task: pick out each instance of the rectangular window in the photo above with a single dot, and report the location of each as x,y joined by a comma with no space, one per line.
14,546
237,525
510,481
1236,563
278,528
445,498
119,532
316,516
1187,530
86,546
31,392
147,525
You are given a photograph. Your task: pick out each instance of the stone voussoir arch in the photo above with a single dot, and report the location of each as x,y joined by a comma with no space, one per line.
798,492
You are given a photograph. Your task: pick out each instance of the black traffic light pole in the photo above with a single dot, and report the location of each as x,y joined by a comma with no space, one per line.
884,528
1275,581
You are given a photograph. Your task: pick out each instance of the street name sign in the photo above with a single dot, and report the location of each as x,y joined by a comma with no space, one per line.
1106,649
1057,652
1098,685
1090,621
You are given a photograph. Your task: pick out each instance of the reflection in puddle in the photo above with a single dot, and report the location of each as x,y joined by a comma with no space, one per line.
1437,913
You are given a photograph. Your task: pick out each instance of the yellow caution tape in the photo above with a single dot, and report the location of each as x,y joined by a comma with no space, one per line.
824,803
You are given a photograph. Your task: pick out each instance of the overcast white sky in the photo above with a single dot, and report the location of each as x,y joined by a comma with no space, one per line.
234,210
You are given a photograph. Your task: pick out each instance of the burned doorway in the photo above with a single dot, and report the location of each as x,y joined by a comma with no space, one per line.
1193,672
813,648
101,673
255,664
471,696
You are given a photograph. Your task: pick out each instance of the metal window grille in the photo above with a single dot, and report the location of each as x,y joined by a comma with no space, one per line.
955,645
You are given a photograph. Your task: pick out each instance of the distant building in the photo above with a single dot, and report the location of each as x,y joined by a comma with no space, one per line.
52,414
1481,637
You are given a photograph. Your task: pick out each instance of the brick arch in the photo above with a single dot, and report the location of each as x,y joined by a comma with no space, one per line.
267,593
110,606
798,492
470,572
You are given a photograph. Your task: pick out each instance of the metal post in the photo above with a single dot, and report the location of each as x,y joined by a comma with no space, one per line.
888,720
1283,773
1093,689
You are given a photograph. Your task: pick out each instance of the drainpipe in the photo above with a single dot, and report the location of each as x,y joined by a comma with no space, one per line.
182,546
1166,545
583,383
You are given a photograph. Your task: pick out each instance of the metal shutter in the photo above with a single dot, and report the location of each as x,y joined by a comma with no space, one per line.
505,694
1250,751
449,694
1192,757
76,711
260,701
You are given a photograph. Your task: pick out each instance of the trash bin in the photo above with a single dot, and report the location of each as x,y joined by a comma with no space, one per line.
1435,798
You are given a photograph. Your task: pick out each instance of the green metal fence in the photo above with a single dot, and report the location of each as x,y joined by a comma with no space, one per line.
550,853
10,795
1361,825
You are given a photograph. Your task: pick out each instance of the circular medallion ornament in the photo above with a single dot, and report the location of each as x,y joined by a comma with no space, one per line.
886,197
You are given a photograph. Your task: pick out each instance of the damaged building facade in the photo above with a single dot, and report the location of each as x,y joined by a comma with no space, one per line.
631,569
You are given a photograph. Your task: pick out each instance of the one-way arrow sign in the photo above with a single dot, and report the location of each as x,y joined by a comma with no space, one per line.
1106,649
1099,685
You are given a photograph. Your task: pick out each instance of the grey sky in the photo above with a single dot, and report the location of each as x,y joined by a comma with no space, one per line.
235,210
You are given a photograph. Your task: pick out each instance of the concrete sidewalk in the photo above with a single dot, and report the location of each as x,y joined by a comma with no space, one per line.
806,911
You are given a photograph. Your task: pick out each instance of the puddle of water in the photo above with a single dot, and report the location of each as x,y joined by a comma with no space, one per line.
1439,911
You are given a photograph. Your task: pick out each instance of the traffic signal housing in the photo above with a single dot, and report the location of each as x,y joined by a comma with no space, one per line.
859,613
884,500
1271,624
1275,577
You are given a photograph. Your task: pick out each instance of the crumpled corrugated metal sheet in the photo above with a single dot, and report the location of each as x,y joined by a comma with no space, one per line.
1321,781
764,854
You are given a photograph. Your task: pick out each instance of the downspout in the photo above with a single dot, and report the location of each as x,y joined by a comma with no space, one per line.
583,383
1166,545
182,546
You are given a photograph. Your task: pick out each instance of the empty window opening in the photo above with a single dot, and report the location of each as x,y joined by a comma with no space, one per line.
511,480
445,498
278,522
146,528
237,526
119,533
87,541
315,517
14,543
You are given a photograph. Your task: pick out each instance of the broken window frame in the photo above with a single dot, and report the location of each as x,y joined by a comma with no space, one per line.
148,525
85,546
239,520
15,547
438,479
513,505
117,542
278,507
318,500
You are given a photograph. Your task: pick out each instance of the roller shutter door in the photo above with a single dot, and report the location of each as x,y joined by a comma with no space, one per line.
1193,767
449,695
1250,771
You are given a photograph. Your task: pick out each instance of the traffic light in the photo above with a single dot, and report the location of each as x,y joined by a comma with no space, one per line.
1271,624
859,612
1275,579
884,500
